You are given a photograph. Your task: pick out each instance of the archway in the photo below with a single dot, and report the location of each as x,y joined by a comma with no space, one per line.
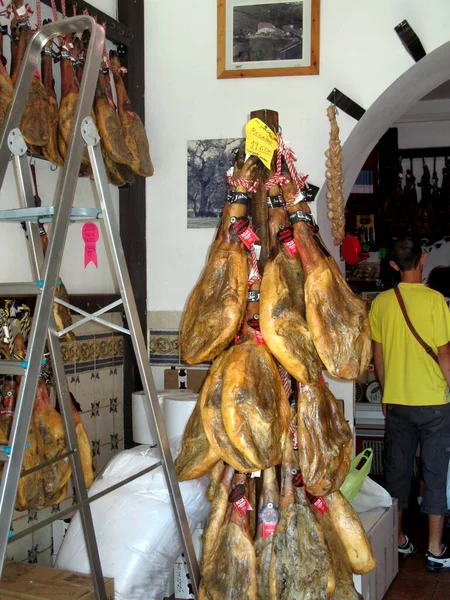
423,77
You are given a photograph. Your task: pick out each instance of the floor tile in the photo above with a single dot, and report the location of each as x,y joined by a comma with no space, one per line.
412,589
442,591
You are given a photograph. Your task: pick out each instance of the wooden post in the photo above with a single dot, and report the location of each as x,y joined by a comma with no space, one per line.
259,202
132,206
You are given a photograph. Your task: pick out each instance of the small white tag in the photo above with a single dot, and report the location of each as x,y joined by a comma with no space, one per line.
257,248
256,474
21,11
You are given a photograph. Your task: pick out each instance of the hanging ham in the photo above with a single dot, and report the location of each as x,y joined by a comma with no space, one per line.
30,488
34,125
68,104
268,516
216,520
325,440
6,85
196,457
216,306
210,402
336,318
282,306
300,567
134,134
231,573
118,174
345,588
84,446
215,478
50,150
49,424
108,123
348,527
255,408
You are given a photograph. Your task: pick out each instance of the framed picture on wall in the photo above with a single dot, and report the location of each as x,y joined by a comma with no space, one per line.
267,38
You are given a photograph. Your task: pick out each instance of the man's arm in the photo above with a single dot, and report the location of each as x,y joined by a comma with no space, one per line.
378,362
444,361
379,367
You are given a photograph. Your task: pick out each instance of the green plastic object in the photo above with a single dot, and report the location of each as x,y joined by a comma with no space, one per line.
355,477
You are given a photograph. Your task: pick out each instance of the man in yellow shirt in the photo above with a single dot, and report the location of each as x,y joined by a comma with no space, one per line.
416,400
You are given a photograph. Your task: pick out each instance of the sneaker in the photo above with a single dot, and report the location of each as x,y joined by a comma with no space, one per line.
438,563
406,549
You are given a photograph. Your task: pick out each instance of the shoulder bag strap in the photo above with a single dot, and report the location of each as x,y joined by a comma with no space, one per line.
424,345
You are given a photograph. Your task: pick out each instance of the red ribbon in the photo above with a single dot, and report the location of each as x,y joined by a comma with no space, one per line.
90,236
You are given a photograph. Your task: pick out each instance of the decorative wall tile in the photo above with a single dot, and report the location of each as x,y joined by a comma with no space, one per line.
33,554
113,404
114,440
105,425
42,538
164,347
91,352
18,550
118,420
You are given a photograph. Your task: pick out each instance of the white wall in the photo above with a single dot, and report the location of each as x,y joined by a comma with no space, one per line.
431,134
360,54
15,266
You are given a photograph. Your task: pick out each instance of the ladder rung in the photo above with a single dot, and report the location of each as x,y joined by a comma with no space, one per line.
15,367
44,214
47,463
20,289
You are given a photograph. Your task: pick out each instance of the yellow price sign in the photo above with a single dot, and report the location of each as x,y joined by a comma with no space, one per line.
260,141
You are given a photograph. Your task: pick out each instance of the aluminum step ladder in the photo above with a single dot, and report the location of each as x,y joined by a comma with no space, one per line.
45,272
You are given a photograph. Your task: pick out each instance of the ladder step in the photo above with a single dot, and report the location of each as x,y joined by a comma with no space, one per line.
20,289
15,367
44,214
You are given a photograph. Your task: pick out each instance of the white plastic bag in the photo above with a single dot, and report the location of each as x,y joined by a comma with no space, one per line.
135,529
370,496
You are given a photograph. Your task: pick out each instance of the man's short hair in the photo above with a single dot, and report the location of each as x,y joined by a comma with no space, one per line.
406,253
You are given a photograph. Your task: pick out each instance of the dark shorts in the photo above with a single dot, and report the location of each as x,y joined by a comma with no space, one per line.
406,427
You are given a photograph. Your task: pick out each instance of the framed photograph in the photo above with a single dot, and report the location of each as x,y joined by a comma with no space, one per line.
267,38
207,164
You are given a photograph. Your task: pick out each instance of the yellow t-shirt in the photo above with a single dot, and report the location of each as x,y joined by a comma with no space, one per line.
410,376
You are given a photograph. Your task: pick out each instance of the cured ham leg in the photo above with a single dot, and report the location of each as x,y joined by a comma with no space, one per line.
134,134
324,440
84,446
109,125
345,588
255,408
300,567
351,532
49,424
231,574
68,104
210,402
119,174
336,318
219,508
61,314
50,150
268,516
216,306
216,476
196,457
6,85
30,489
282,306
34,126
